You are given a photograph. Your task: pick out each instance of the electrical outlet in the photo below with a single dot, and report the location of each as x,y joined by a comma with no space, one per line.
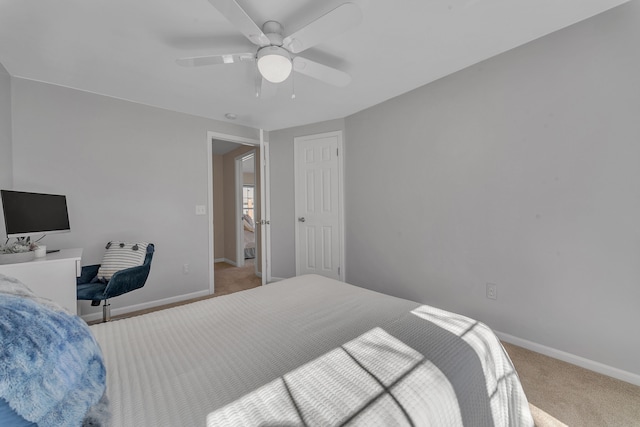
185,268
201,210
492,291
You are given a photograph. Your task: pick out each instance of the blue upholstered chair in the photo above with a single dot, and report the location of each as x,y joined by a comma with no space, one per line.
121,282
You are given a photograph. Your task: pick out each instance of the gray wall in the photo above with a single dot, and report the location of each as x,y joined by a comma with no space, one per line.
129,171
6,169
283,256
218,206
521,171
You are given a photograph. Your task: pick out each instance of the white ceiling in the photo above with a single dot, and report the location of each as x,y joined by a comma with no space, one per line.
127,49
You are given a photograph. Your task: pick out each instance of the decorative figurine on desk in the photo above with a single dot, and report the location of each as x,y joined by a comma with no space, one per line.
22,250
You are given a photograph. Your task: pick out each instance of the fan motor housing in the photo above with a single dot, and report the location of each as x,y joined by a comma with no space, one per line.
273,30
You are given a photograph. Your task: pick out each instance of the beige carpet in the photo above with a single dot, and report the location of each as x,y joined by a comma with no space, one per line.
543,419
229,279
573,395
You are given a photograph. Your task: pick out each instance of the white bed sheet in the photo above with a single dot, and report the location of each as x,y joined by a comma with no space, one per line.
175,367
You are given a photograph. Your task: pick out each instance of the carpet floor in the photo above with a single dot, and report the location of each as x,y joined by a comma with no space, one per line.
229,279
574,395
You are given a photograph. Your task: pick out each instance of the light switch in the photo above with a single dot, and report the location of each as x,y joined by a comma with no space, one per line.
201,210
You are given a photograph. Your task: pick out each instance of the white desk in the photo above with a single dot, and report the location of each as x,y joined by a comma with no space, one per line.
52,276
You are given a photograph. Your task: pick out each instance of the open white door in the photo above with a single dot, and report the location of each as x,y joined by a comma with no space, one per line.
265,214
318,201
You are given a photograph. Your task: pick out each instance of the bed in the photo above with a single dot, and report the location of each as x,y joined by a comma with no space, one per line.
307,351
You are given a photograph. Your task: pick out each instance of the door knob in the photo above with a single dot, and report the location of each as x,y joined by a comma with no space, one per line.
301,219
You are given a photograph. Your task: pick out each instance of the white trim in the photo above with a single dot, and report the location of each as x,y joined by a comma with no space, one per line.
592,365
277,279
209,149
211,254
265,210
296,233
340,136
264,219
266,254
232,138
343,264
137,307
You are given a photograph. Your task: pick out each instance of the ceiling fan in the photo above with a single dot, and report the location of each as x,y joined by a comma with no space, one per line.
276,55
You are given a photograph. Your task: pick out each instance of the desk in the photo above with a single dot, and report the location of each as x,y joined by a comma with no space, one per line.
52,276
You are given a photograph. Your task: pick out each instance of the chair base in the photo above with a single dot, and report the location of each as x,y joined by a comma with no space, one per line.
106,311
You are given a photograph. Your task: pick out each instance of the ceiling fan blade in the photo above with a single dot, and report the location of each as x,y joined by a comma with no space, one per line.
332,23
321,72
231,58
239,18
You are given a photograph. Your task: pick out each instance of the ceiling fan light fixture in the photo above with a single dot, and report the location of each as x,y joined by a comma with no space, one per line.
274,63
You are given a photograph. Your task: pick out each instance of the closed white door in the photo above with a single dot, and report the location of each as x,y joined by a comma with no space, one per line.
318,189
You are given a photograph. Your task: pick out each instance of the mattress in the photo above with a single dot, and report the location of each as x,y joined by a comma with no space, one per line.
270,354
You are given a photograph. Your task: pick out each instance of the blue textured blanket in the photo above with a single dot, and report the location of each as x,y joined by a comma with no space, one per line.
51,368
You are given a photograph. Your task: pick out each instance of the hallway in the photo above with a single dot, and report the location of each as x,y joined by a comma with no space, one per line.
230,279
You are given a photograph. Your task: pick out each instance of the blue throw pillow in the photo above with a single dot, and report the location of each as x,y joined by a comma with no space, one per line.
51,367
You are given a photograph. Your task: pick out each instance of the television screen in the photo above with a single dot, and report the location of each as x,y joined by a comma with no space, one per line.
34,213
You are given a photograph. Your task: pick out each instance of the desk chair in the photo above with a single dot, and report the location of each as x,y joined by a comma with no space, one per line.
120,283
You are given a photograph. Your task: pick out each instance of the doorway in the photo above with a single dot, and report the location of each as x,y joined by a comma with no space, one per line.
235,235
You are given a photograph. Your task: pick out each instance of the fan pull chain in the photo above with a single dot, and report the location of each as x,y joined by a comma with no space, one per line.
258,81
293,86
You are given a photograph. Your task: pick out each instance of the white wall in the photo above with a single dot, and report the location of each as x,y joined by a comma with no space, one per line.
6,169
129,171
283,261
521,171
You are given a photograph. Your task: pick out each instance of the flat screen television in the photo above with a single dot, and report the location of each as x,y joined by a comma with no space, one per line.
27,214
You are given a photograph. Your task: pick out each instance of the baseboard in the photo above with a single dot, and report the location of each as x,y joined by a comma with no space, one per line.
227,260
137,307
592,365
276,279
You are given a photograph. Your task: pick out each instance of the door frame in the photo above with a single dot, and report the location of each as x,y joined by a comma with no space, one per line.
265,208
341,240
211,135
